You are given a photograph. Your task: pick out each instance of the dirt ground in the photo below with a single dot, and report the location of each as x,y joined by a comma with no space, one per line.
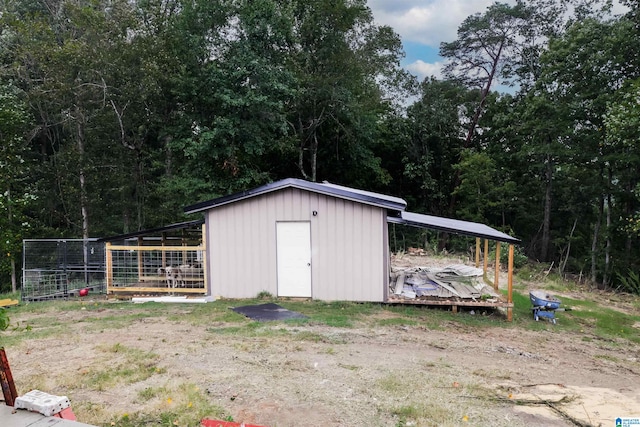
315,375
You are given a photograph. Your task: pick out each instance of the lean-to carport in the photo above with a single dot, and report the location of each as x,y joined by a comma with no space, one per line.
473,229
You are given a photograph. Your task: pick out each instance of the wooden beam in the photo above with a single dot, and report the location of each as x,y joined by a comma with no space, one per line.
446,302
8,302
140,273
154,248
497,272
204,259
486,258
6,379
510,285
163,242
477,252
399,283
155,290
109,266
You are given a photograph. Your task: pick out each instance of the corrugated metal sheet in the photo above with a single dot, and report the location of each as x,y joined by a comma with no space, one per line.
347,245
452,226
346,193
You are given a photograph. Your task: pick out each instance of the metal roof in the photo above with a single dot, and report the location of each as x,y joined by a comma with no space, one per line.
325,188
452,226
177,226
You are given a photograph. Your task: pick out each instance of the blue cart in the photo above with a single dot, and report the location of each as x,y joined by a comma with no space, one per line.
544,305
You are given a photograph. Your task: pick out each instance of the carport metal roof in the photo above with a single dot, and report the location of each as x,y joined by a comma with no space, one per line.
171,227
452,226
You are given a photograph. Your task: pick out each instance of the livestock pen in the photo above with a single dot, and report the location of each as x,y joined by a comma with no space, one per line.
168,260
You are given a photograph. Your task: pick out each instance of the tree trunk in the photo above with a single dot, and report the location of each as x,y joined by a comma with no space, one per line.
314,158
546,224
80,122
308,141
14,287
14,282
594,242
483,97
607,249
563,263
140,189
81,175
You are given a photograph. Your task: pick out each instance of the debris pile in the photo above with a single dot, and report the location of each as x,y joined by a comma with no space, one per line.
455,282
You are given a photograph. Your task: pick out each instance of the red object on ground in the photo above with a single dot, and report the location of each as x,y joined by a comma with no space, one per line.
84,292
219,423
66,414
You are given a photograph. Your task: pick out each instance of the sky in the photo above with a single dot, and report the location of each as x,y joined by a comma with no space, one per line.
423,25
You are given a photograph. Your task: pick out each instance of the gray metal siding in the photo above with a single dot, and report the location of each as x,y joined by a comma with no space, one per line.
348,245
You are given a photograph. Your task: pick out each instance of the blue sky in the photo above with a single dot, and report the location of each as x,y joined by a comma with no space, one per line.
423,25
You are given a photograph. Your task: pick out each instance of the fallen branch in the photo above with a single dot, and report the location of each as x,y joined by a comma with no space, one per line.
552,404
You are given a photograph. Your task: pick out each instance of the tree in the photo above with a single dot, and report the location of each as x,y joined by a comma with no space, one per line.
434,145
580,72
341,62
15,191
234,94
58,60
622,121
485,53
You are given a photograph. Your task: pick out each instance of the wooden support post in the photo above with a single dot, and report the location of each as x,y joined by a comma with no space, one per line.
205,260
510,285
164,253
486,258
140,263
6,379
109,265
497,273
183,239
477,252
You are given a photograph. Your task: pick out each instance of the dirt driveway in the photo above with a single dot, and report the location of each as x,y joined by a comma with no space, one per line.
113,359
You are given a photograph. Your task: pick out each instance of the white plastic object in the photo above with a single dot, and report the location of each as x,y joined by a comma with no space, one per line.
43,403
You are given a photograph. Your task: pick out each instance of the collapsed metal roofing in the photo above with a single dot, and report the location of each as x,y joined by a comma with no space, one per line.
361,196
452,226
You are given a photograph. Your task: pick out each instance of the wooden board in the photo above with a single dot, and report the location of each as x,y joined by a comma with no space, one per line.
399,284
450,303
8,302
163,290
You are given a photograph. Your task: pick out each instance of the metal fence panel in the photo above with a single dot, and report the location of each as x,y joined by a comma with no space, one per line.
59,268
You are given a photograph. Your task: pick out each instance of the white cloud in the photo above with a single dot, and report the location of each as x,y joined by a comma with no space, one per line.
423,69
427,22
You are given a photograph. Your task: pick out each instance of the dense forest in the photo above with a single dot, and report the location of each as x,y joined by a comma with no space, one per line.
115,114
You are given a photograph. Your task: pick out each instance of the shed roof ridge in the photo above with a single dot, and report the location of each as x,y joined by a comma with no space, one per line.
349,193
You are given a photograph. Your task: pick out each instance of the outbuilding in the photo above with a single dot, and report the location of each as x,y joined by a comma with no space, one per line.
295,238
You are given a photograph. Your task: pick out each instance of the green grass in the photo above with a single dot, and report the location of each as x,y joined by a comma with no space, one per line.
151,393
591,320
601,321
185,406
46,319
124,364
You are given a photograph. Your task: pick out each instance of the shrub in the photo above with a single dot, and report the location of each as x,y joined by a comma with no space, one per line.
4,319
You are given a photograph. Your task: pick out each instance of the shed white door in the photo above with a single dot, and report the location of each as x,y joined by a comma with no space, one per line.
293,240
